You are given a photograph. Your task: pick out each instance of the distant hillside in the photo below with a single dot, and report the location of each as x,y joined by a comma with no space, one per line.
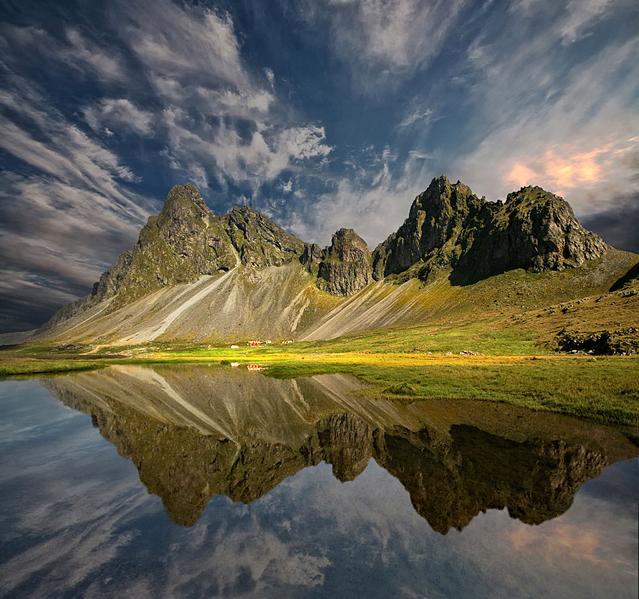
196,276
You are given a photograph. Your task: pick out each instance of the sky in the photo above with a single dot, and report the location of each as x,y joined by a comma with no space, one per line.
320,113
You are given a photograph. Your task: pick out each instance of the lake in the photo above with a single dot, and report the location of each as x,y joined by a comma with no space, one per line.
205,481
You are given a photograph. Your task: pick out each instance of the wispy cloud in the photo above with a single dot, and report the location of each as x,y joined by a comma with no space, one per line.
120,114
218,115
573,19
554,124
73,50
418,116
73,194
373,199
385,39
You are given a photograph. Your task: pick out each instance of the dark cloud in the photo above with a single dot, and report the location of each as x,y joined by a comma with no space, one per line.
619,224
27,307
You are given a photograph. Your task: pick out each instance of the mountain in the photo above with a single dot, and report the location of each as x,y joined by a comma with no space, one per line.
450,227
187,241
197,276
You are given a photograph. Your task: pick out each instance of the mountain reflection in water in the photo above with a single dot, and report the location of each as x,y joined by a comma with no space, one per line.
197,431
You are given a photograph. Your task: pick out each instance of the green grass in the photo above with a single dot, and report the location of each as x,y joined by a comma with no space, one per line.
488,338
491,338
602,389
45,366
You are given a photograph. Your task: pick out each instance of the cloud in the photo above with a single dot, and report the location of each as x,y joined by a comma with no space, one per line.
73,51
44,223
270,76
563,169
262,156
219,120
554,125
581,15
618,221
300,143
419,116
374,200
386,38
71,194
179,42
121,114
573,19
85,54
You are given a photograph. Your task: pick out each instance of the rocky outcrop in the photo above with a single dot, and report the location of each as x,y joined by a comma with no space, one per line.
535,230
179,245
259,241
623,341
346,265
312,257
439,221
449,227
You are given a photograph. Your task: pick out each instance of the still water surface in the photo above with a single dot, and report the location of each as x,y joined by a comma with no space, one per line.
200,481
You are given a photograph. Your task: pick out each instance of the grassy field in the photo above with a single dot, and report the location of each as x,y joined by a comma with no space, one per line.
28,366
603,389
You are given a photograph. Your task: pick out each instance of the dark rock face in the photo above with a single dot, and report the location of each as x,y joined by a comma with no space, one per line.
437,220
535,230
604,343
450,227
312,257
346,265
259,241
182,243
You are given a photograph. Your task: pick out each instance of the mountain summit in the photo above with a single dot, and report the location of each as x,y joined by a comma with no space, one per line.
193,274
450,227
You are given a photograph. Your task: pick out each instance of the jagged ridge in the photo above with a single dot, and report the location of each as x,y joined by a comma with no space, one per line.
185,249
449,227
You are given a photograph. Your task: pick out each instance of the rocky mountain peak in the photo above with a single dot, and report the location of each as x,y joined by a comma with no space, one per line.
346,265
347,245
441,198
449,227
186,241
183,218
536,230
183,202
259,241
436,220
